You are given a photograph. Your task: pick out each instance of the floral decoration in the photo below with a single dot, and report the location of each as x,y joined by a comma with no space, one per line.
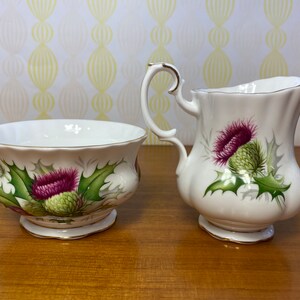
62,192
245,162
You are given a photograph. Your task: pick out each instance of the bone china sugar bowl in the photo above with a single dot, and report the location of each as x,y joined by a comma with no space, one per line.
66,177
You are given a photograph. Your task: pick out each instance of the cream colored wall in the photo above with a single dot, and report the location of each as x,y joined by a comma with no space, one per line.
86,59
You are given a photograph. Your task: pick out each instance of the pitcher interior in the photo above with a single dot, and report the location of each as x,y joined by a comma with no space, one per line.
269,85
67,133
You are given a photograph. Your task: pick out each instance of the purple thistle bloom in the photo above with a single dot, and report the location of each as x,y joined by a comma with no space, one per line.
53,183
231,138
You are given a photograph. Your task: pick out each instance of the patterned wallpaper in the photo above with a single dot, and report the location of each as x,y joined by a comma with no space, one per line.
87,58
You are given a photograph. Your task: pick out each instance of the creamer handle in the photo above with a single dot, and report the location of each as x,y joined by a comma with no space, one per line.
176,91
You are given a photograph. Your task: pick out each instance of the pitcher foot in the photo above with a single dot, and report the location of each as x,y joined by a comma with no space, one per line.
235,236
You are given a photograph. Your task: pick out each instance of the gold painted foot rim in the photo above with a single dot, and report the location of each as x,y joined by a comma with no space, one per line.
70,233
234,236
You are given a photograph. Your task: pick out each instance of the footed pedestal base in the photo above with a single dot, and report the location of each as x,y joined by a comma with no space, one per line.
69,233
234,236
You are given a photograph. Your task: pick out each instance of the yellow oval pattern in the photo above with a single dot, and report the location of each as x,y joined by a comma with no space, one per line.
42,63
218,37
44,103
219,11
42,32
277,12
42,67
41,9
161,35
217,68
102,69
161,11
102,34
102,9
101,66
102,103
76,58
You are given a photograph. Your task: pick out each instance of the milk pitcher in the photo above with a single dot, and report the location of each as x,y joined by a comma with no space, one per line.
241,174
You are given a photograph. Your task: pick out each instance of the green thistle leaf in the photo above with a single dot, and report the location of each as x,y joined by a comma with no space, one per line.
272,159
225,185
8,199
269,184
21,180
40,168
34,208
89,187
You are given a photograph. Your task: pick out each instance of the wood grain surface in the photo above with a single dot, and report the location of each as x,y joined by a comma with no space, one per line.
155,250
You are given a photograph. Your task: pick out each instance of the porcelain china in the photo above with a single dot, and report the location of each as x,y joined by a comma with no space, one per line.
241,174
66,177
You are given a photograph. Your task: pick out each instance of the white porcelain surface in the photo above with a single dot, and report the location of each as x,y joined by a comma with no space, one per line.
241,173
67,174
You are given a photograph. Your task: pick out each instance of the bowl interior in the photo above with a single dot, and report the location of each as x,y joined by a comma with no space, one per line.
68,133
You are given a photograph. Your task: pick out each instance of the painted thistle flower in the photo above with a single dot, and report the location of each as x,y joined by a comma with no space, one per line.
53,183
231,138
248,159
64,204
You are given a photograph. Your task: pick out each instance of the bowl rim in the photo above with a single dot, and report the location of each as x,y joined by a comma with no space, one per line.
75,147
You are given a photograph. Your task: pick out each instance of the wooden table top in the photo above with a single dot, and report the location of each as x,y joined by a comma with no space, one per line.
155,250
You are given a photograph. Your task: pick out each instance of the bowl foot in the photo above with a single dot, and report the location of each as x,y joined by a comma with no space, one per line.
234,236
70,233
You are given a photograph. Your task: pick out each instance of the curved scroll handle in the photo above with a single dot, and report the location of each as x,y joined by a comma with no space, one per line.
176,91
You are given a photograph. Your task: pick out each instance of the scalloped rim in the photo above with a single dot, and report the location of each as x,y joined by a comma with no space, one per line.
140,137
